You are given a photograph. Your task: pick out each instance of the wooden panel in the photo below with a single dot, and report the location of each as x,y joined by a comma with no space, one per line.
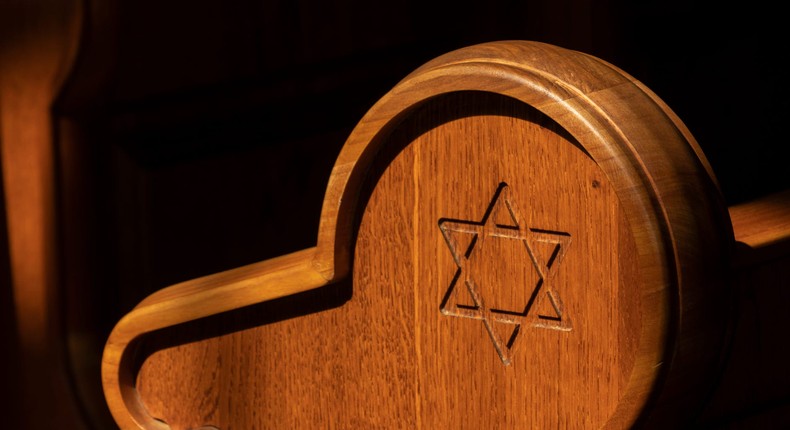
167,60
523,316
613,190
564,294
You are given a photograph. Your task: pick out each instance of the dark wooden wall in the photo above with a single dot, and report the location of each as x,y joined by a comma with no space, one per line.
196,136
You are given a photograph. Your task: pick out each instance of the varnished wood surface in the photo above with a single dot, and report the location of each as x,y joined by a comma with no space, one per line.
655,195
652,161
439,370
186,302
467,358
165,64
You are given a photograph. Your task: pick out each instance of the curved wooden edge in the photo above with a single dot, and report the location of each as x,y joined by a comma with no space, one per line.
658,172
567,85
681,126
667,186
188,301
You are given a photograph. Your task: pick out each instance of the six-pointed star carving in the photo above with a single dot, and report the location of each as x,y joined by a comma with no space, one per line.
501,221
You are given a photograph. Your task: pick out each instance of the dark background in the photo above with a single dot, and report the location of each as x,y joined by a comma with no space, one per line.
198,136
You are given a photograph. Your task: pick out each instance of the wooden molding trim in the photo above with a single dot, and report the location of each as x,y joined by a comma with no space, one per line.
664,184
663,179
188,301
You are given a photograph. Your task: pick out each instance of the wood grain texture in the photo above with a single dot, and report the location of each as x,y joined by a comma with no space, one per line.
392,332
186,302
559,373
665,185
601,167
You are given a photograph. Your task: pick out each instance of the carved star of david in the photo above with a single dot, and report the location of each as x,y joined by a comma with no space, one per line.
501,221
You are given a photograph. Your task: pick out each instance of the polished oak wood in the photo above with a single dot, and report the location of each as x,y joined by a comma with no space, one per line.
532,238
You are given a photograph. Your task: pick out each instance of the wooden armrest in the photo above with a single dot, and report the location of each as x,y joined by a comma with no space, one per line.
762,229
188,301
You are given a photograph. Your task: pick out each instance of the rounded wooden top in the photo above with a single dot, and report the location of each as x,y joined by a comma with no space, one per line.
575,190
504,248
533,239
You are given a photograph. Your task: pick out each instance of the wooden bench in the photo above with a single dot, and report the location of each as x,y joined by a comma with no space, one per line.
515,236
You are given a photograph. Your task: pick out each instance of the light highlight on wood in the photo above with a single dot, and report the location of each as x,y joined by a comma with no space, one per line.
589,155
186,302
